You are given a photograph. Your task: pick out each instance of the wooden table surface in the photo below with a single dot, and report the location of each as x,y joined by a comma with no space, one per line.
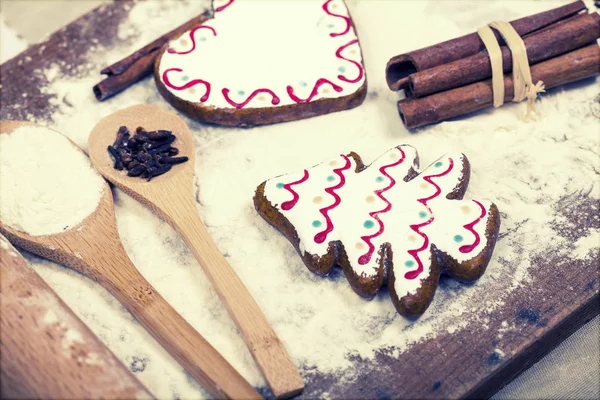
562,295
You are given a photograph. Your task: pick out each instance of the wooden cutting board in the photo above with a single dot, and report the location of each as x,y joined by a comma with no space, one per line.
560,297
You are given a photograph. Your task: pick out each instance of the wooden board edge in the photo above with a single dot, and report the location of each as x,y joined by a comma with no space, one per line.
536,350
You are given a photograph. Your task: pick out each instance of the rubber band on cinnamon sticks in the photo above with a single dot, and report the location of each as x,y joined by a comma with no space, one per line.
400,67
136,66
570,67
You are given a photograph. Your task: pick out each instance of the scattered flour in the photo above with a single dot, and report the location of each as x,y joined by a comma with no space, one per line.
525,167
48,186
10,43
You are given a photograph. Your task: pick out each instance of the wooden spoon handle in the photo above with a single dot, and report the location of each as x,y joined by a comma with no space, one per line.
266,348
169,328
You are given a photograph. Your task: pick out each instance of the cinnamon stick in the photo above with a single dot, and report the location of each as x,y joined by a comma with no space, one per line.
569,67
400,67
559,39
136,66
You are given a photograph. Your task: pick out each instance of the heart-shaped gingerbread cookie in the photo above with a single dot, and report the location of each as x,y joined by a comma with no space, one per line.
263,61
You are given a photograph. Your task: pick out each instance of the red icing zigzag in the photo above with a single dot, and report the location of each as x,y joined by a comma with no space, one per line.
470,247
416,228
321,236
365,258
288,205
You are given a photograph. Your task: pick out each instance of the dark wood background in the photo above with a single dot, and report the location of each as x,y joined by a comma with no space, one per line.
562,295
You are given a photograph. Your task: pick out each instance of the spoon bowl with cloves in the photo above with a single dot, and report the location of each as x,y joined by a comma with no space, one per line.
117,154
93,248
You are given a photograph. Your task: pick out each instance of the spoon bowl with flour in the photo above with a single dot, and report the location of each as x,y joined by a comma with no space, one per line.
54,204
171,196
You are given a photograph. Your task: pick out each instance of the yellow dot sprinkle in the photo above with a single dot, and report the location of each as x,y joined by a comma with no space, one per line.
465,209
352,52
192,90
183,42
370,199
359,245
261,98
412,238
317,199
325,91
333,163
393,155
334,6
424,185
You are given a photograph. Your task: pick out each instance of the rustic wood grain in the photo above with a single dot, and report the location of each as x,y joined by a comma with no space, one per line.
39,357
560,297
171,196
94,249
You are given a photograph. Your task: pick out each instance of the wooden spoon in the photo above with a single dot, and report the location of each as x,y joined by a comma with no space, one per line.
171,196
93,248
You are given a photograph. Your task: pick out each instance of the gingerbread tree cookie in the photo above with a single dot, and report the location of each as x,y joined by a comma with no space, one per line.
385,223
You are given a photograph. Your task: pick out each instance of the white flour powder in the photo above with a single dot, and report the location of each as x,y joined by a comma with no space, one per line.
48,186
526,168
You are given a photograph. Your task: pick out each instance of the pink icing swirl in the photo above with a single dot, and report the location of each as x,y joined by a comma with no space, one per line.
193,39
314,92
165,78
339,55
275,100
346,19
224,6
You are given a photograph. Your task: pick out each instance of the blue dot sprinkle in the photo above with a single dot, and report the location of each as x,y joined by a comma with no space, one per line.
316,223
422,214
438,164
331,178
241,92
330,26
380,179
303,84
409,263
203,39
342,69
369,224
185,78
458,238
279,185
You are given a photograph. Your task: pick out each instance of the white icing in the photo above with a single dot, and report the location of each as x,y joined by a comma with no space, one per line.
265,44
448,217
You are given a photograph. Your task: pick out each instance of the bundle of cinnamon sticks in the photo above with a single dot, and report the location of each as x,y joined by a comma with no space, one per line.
454,77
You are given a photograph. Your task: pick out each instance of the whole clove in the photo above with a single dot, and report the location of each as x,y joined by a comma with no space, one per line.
175,160
136,171
146,154
116,157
